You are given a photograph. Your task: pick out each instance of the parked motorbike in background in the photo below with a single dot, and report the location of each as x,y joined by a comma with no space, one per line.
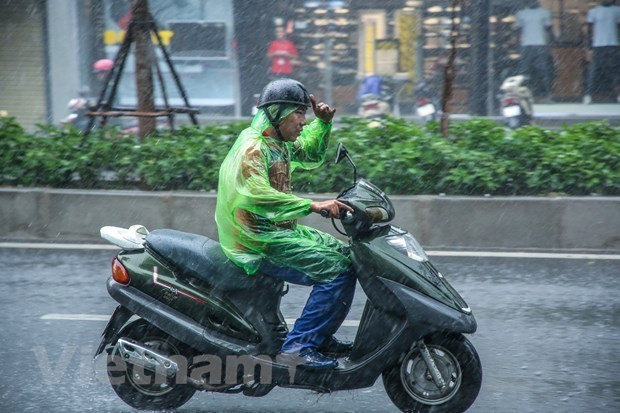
427,102
375,97
77,113
429,89
516,101
204,324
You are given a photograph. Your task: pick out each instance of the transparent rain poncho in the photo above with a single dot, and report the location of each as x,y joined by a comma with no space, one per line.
256,212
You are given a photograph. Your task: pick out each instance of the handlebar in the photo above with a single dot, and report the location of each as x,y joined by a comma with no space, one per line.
343,214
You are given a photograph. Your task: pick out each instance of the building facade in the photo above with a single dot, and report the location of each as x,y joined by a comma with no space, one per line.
219,48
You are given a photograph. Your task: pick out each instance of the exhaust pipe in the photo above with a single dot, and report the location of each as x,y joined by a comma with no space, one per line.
138,354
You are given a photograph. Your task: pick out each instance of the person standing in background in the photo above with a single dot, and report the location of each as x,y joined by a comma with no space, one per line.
603,24
101,69
536,35
283,55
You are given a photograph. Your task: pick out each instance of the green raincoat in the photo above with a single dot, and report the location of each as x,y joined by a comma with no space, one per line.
256,212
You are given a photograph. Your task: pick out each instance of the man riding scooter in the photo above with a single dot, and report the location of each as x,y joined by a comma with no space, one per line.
256,217
197,303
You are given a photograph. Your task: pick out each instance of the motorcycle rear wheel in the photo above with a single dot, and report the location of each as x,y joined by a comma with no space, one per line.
142,389
410,385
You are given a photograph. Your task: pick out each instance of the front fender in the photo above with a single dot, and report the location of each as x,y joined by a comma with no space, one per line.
436,316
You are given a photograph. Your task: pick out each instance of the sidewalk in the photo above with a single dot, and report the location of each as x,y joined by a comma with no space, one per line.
595,110
547,115
558,114
555,115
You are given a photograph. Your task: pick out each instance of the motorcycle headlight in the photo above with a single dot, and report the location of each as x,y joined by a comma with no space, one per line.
407,245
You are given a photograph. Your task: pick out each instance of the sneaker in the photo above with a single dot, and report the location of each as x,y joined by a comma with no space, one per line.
333,346
308,358
312,359
587,99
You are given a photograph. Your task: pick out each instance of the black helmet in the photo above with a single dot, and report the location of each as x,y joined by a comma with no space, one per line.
284,91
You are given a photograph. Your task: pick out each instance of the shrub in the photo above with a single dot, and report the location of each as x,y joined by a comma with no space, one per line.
399,156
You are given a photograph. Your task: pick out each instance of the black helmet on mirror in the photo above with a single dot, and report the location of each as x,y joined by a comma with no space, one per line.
284,91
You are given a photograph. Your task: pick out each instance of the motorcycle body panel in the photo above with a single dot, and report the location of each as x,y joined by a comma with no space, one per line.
386,262
179,325
246,317
155,279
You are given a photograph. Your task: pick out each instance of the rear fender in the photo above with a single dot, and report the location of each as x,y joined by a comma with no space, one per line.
111,332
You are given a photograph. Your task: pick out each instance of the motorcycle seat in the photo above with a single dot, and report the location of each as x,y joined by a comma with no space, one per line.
196,256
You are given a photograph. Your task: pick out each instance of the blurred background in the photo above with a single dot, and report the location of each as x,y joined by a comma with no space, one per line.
221,50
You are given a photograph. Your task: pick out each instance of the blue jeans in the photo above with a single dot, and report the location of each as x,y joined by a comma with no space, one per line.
325,310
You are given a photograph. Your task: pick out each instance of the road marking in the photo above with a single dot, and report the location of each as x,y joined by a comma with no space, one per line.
555,255
100,317
76,317
50,246
495,254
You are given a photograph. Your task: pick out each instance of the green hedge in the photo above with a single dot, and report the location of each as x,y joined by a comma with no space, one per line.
481,157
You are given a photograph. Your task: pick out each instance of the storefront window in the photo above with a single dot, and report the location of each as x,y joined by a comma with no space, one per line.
198,36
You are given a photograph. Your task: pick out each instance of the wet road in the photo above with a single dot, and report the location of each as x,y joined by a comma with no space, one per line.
548,337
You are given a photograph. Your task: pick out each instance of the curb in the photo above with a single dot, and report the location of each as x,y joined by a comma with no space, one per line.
439,222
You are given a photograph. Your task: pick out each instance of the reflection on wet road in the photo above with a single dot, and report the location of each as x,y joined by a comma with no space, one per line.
548,334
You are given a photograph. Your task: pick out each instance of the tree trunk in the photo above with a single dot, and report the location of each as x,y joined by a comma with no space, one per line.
449,70
144,72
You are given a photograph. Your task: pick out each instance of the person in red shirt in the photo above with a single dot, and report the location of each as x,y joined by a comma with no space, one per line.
283,54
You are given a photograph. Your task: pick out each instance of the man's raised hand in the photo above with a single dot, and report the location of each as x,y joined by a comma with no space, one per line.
322,110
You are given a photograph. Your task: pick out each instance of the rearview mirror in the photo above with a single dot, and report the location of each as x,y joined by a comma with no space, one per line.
342,153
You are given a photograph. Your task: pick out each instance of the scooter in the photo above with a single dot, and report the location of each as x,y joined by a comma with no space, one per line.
427,104
77,116
516,101
203,324
375,97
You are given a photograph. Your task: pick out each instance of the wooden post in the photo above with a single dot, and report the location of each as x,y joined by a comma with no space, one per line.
144,72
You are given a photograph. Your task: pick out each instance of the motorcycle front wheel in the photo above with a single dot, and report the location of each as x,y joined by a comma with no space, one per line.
143,389
410,384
